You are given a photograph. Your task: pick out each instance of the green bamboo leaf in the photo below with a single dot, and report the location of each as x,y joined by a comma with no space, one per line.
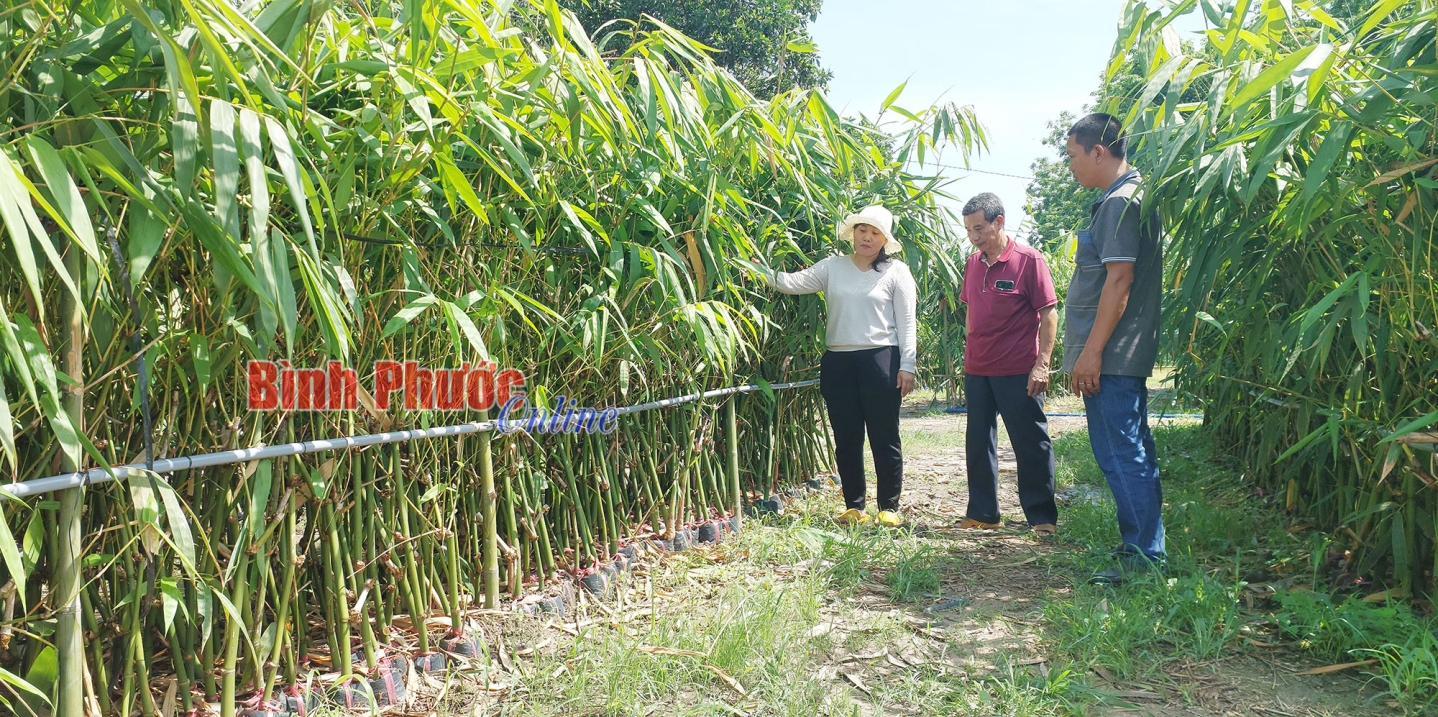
259,498
184,143
172,601
232,613
893,96
32,543
1321,308
22,685
1279,71
23,192
20,235
200,359
223,250
18,358
7,426
331,316
456,181
68,201
44,371
43,674
1359,319
10,552
146,237
1400,544
460,320
290,169
178,71
1307,440
318,485
1377,14
1412,426
183,539
1334,144
284,287
253,152
225,155
404,316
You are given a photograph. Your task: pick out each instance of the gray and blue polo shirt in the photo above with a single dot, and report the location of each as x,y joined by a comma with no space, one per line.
1119,230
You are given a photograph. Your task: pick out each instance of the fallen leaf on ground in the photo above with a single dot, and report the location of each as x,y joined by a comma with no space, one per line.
857,682
1386,595
670,651
926,632
1103,672
1328,669
868,656
733,683
1032,661
1138,695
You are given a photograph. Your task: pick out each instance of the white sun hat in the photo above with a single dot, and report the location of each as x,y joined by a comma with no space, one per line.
875,216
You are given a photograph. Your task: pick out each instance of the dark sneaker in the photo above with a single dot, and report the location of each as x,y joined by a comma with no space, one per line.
1128,564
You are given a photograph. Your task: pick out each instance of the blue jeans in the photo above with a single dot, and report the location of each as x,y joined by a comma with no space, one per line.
1123,447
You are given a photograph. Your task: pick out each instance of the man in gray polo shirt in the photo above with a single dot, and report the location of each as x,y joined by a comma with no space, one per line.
1111,335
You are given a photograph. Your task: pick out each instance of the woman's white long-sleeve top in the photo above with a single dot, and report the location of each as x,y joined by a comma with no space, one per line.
867,309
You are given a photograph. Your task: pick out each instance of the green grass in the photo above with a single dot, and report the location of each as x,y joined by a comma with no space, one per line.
754,630
768,589
1222,535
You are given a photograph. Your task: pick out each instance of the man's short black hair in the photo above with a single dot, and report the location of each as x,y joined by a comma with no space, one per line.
1101,129
988,203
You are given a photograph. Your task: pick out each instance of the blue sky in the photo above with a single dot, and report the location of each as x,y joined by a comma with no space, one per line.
1019,63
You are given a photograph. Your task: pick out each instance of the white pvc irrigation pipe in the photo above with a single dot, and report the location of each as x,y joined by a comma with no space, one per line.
245,455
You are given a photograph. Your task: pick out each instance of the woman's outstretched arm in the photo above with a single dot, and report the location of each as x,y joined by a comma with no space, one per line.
806,281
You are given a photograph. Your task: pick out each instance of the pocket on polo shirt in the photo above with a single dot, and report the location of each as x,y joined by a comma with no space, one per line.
1005,295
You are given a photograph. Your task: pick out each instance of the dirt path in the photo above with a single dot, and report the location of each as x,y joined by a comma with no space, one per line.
1003,580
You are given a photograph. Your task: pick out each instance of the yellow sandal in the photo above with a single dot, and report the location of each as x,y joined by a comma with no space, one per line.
890,519
971,524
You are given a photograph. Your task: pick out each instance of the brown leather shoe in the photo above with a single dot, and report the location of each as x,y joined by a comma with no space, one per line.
971,524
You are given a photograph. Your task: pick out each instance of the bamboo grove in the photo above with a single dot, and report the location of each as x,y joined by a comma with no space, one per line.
1298,190
445,181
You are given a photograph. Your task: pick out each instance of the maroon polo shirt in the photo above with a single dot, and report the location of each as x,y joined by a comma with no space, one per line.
1004,302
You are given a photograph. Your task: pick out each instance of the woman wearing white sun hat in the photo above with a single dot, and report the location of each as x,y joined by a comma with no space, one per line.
869,365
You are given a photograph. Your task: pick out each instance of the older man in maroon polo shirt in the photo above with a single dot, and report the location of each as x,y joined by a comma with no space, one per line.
1011,332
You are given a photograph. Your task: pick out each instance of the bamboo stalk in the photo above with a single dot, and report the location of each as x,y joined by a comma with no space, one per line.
731,464
70,688
488,497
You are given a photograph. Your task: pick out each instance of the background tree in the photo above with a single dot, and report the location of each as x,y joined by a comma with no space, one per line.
764,43
1056,204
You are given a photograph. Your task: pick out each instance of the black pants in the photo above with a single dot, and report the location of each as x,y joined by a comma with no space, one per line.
1028,428
861,390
